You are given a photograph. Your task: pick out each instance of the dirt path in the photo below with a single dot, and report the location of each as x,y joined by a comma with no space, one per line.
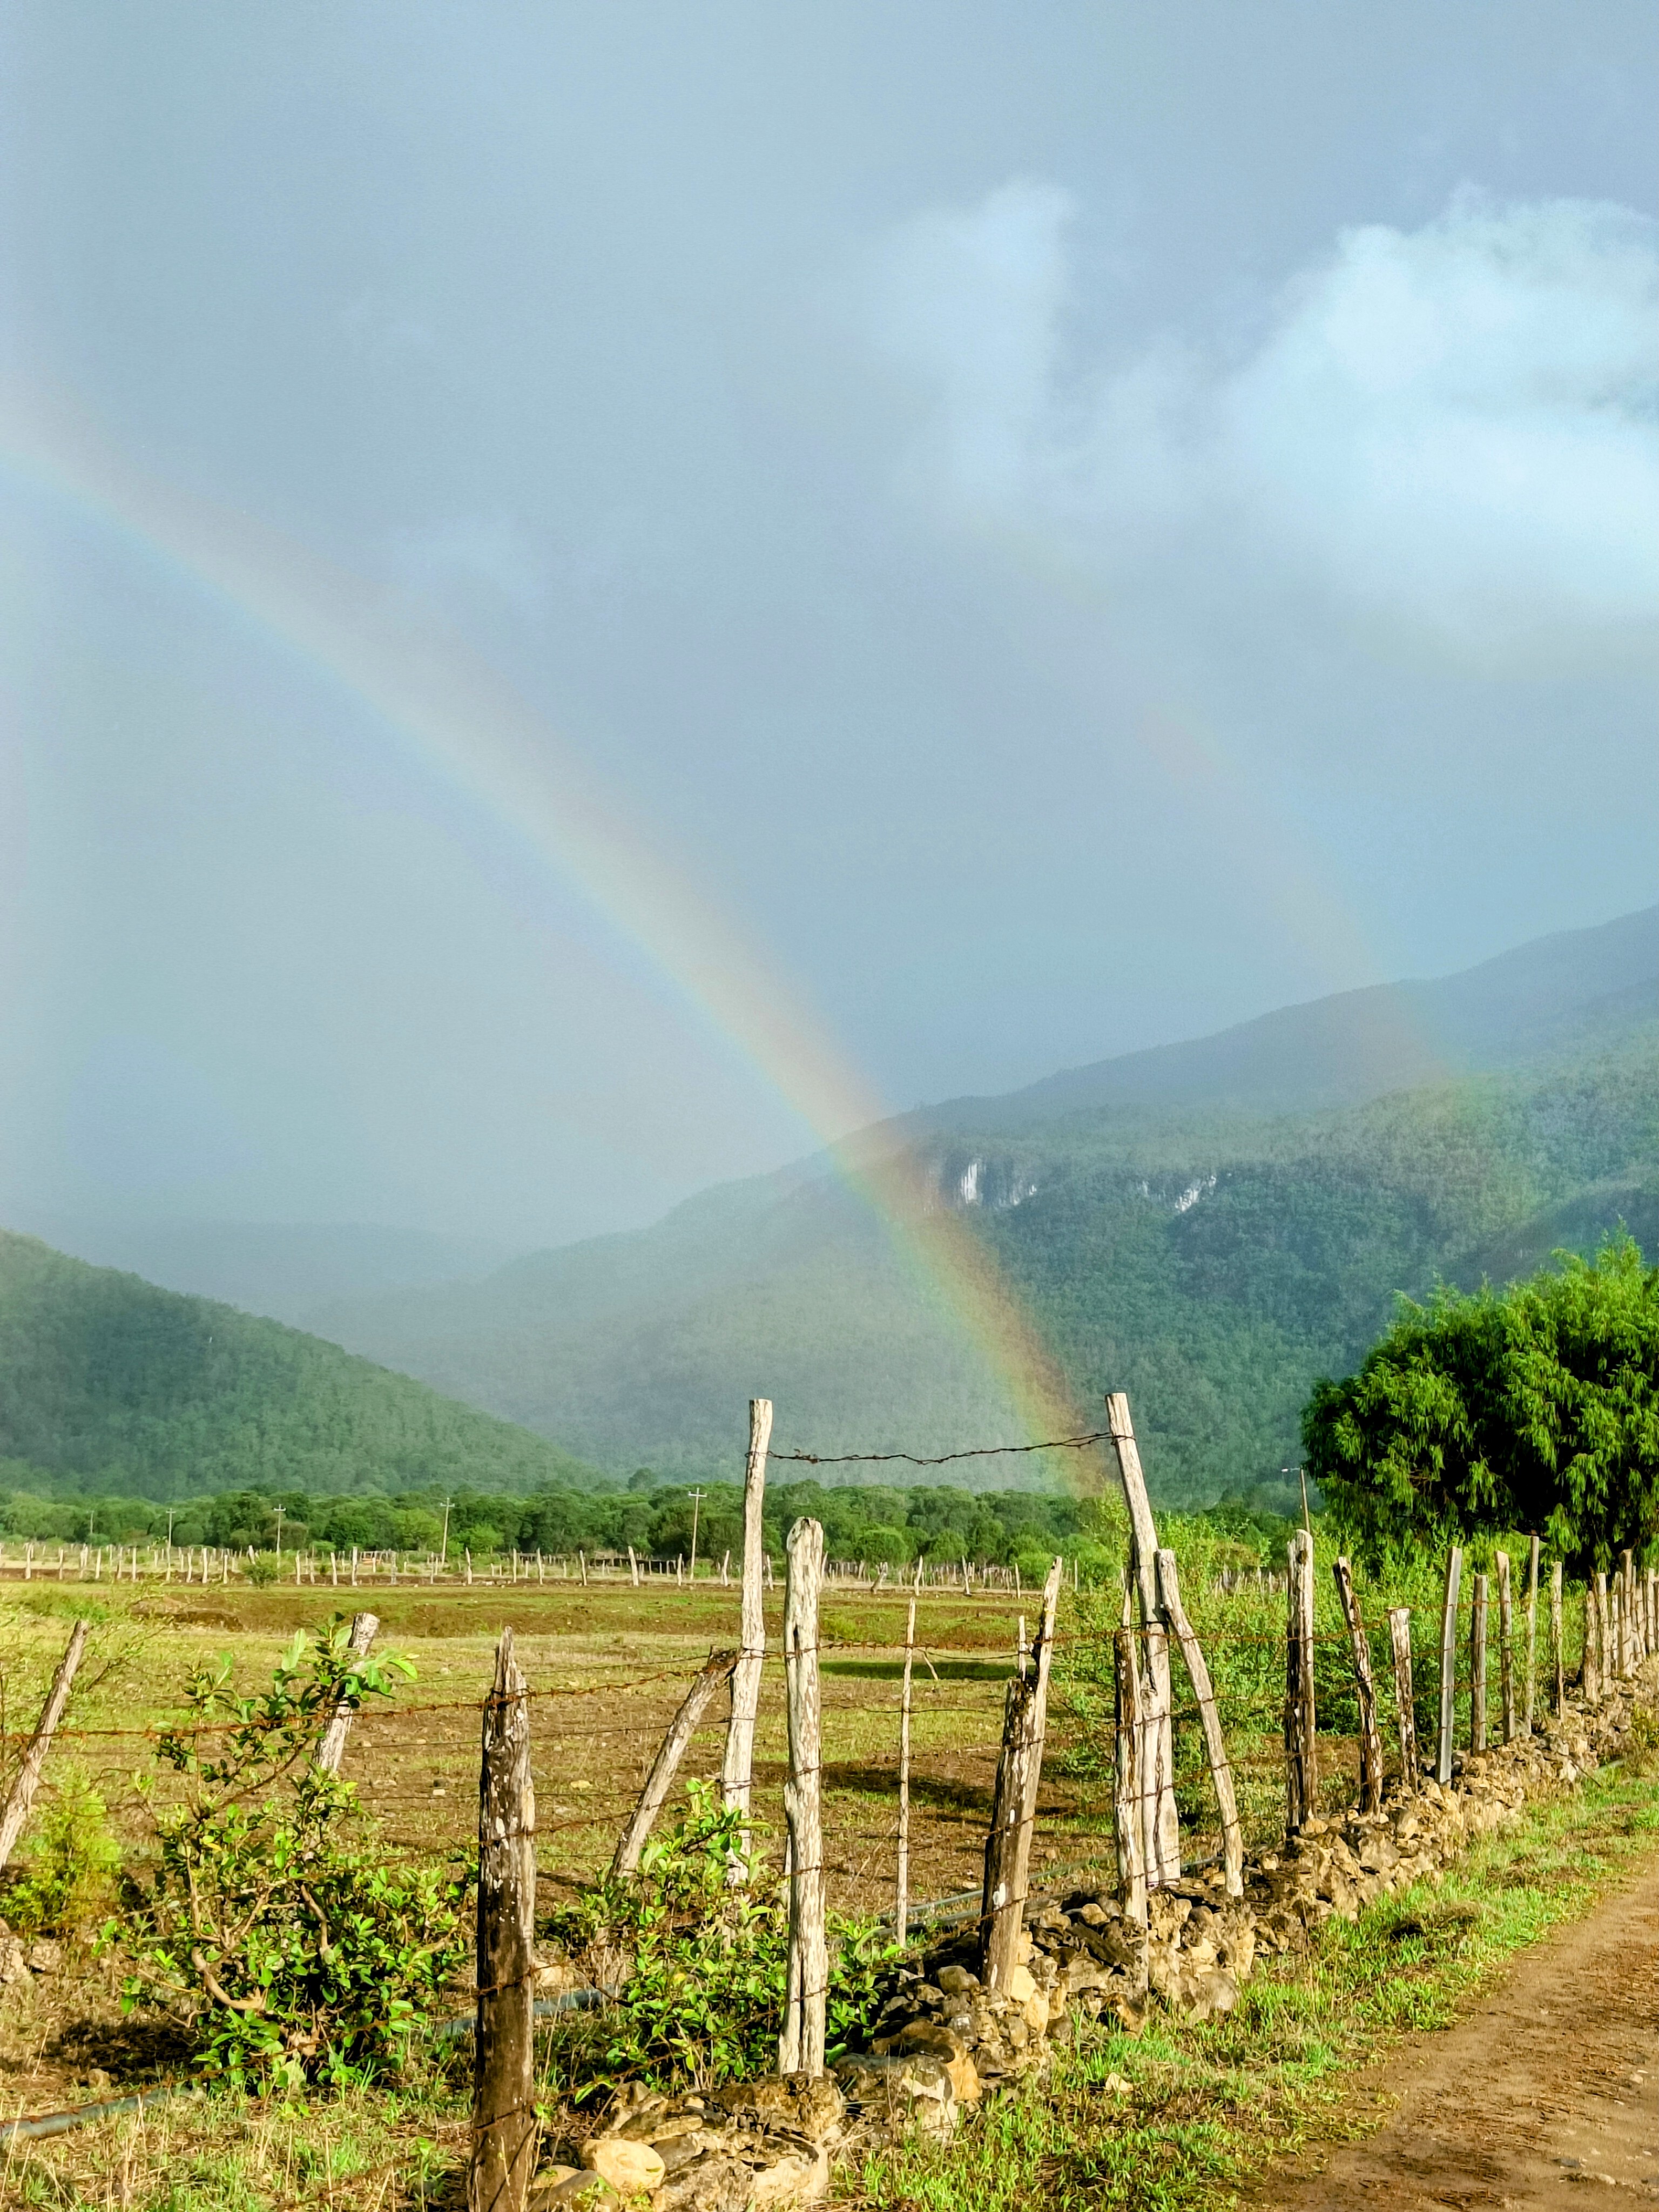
1542,2099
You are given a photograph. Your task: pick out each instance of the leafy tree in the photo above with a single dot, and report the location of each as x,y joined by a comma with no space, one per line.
1536,1408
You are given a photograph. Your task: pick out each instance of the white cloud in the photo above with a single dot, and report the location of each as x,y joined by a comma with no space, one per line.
1450,432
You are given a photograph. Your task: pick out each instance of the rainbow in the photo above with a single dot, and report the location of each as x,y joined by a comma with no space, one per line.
464,723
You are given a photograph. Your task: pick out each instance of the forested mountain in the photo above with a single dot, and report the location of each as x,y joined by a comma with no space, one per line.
108,1384
1209,1229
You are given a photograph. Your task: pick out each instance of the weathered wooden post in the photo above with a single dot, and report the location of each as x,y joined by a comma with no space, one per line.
1558,1645
1126,1797
800,2046
1532,1636
1597,1607
1477,1666
902,1900
1301,1750
715,1670
1405,1699
1157,1760
1505,1646
331,1745
1013,1801
1371,1743
1221,1773
1442,1763
503,2098
20,1795
1627,1654
737,1771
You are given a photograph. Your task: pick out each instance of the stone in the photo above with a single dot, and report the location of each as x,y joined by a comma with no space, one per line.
957,1981
628,2166
1021,1985
917,2090
568,2184
14,1961
798,2177
811,2108
45,1956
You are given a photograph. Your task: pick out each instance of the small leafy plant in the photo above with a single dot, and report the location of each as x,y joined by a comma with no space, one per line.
261,1569
68,1879
697,1964
272,1923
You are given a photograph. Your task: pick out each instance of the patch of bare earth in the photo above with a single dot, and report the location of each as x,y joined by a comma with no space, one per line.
1547,2097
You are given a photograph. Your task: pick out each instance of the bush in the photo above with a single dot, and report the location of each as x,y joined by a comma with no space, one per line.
263,1569
699,1965
274,1923
67,1878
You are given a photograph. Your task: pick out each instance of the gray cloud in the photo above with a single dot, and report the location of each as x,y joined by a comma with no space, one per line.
1447,432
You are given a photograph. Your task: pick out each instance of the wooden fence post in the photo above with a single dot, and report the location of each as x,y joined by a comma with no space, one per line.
1405,1699
1221,1773
1505,1646
902,1899
1156,1761
504,2100
1558,1645
1013,1802
20,1796
1477,1666
737,1771
714,1670
1126,1797
1301,1752
1626,1613
1371,1743
1597,1604
331,1745
1442,1763
1532,1636
800,2046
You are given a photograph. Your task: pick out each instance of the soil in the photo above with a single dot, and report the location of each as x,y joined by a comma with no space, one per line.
1545,2097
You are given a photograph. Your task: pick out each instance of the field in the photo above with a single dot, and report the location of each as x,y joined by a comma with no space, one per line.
606,1666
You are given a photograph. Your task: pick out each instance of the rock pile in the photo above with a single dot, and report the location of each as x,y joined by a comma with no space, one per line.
752,2147
941,2038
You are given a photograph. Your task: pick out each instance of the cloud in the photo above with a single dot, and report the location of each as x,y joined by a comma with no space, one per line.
1449,433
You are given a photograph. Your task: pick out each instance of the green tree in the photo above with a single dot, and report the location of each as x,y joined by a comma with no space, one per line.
1536,1407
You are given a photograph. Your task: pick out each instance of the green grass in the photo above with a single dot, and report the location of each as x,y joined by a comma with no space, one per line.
1175,2119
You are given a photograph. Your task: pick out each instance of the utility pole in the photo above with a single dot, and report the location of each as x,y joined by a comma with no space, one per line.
696,1497
1300,1472
443,1554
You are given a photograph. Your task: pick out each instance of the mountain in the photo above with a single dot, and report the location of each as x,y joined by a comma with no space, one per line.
281,1269
1209,1226
110,1385
1573,992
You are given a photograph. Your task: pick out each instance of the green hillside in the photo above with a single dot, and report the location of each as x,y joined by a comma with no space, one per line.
110,1385
1211,1262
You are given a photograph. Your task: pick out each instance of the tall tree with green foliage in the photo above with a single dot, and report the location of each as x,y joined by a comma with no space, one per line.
1536,1408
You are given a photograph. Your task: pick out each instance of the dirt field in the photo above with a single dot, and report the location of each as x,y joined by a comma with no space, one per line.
607,1666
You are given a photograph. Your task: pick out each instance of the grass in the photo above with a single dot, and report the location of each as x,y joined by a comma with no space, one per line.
1178,2118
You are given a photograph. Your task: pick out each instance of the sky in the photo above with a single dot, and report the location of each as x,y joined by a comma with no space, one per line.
1060,527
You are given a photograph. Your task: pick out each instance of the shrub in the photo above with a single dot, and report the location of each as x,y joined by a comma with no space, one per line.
68,1877
699,1965
263,1569
273,1922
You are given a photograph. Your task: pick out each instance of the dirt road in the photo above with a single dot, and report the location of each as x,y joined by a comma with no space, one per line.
1546,2097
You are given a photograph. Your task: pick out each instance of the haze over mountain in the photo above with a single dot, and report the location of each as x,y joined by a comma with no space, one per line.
1209,1226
